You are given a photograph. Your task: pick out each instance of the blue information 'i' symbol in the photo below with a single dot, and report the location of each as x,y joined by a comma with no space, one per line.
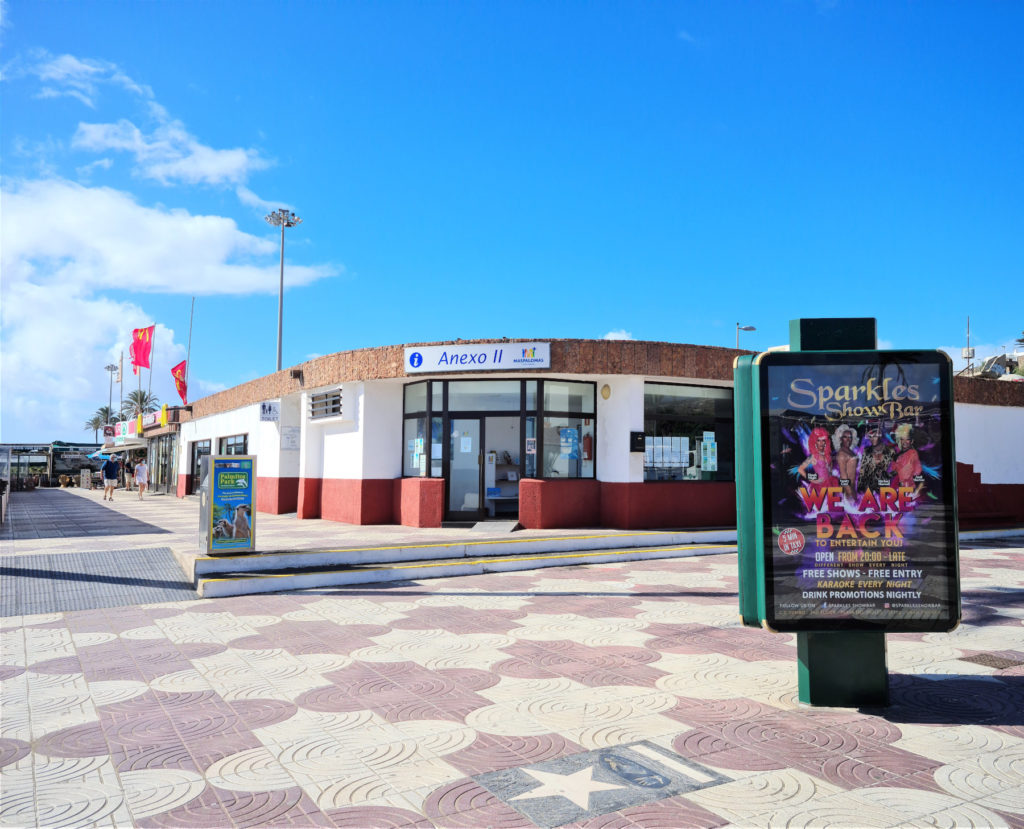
415,359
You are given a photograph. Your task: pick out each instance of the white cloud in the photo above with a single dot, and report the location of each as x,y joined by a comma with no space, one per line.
619,334
59,233
166,153
169,153
68,76
250,199
64,245
86,170
685,36
61,246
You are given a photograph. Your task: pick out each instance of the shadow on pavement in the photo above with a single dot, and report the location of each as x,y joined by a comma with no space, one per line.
954,700
55,513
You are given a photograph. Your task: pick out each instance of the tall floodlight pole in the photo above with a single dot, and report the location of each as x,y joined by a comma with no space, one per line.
110,394
281,218
742,328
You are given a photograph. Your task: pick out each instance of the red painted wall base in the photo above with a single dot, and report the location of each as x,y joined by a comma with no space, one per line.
418,502
367,501
277,495
308,504
676,505
551,504
982,505
554,504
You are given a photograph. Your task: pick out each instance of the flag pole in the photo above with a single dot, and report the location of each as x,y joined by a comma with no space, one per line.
188,351
151,361
120,380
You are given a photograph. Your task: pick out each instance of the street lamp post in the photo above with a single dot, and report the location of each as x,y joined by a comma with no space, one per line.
281,218
742,328
110,394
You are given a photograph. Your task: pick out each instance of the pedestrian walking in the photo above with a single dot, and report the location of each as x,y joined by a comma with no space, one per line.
142,476
109,471
129,473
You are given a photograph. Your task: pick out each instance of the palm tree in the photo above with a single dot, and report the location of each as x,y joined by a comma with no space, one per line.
106,414
140,402
95,423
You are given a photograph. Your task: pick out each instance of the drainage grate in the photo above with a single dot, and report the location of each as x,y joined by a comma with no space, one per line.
990,660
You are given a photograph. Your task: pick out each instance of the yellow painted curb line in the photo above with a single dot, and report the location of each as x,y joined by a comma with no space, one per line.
464,562
438,545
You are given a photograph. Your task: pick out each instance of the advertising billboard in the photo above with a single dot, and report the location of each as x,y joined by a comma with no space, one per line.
232,503
857,475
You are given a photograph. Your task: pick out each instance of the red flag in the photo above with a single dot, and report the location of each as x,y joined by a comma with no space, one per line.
178,372
138,351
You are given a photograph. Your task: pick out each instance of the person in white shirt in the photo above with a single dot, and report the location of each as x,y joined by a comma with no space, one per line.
141,476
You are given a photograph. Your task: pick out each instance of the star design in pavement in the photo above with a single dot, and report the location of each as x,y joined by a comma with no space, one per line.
576,787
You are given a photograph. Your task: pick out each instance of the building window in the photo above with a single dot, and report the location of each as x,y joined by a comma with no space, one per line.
200,449
557,442
569,447
569,431
327,404
234,445
688,433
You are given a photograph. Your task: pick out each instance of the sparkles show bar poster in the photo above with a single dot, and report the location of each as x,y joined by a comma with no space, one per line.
859,507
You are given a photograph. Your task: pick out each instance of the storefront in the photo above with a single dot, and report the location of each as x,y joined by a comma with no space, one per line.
499,432
566,433
159,430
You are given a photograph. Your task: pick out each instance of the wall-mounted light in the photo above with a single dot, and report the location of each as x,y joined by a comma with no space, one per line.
606,391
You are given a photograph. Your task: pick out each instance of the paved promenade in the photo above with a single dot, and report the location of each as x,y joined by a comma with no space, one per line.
613,695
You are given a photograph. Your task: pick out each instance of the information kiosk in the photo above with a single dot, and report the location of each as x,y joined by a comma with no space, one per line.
846,501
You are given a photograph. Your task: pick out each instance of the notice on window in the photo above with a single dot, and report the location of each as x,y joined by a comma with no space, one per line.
531,446
709,455
569,443
466,444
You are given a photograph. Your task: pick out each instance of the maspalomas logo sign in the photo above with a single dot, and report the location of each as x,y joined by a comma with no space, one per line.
477,357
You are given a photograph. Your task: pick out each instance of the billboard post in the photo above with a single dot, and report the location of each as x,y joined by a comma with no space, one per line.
846,501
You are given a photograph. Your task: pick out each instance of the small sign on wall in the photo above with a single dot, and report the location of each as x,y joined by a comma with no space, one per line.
270,411
290,437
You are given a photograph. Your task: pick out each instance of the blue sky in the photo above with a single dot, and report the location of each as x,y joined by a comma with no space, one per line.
654,171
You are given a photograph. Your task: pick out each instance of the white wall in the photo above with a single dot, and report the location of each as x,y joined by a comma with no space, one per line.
332,447
262,442
381,409
992,439
620,414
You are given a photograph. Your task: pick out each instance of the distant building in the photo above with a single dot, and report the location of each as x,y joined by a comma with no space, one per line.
559,433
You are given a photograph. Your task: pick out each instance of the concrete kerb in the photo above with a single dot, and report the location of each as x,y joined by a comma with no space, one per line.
238,584
197,564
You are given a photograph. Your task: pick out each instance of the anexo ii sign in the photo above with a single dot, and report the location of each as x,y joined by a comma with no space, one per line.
477,357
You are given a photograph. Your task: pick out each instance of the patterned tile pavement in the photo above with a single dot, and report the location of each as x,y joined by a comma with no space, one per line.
614,695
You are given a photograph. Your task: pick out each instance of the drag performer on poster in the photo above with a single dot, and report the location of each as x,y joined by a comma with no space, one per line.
907,471
875,462
846,461
817,468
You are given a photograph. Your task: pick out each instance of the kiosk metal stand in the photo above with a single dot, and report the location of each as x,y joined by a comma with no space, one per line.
840,668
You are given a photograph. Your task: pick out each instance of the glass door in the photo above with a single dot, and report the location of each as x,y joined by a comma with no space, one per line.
465,469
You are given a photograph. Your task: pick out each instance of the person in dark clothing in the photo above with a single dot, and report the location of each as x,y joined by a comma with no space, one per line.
110,470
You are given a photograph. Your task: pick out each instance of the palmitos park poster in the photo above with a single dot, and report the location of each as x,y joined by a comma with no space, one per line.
859,505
